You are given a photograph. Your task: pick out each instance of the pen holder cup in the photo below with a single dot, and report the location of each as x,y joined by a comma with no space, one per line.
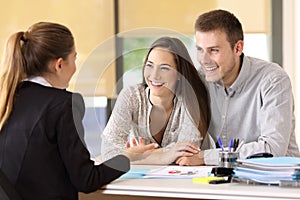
228,159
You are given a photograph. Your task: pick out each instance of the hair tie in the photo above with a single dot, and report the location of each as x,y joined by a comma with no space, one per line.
24,37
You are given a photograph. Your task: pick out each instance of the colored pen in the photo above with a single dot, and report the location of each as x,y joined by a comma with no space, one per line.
220,143
235,144
230,145
240,145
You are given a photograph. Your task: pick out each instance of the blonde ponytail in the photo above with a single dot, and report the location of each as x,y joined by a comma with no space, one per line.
11,74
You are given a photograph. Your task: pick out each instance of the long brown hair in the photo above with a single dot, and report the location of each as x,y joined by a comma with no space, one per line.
190,86
28,54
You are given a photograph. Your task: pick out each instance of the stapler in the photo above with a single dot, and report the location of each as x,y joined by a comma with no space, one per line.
260,155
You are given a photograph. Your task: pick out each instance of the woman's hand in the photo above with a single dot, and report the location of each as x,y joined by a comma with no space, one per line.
195,159
134,142
180,149
139,150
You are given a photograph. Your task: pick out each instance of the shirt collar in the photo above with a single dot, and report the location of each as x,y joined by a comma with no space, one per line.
243,75
39,80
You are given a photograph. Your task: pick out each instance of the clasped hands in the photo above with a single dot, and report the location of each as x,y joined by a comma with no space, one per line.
181,153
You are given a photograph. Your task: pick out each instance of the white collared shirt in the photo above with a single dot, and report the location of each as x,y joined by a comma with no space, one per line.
40,80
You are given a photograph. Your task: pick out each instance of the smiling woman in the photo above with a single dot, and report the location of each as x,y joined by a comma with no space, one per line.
170,108
160,73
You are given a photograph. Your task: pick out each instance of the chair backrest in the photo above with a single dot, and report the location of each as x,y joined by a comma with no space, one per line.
7,190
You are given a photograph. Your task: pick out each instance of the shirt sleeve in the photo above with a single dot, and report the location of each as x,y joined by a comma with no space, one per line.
276,117
115,134
188,130
211,156
84,175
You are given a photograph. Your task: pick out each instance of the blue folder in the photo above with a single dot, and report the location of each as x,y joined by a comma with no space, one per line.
135,173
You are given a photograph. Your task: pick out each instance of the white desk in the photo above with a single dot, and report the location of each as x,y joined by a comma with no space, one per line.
152,189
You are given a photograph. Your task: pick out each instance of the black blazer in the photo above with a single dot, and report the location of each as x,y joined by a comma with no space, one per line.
7,190
42,151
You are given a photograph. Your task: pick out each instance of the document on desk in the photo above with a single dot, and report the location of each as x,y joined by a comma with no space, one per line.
179,172
269,170
272,163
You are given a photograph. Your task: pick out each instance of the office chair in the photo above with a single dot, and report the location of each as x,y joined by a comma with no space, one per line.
7,190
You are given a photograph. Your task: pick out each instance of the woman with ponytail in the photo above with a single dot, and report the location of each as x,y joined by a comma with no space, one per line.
42,151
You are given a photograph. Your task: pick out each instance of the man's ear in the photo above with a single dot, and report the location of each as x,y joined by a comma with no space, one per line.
57,64
239,46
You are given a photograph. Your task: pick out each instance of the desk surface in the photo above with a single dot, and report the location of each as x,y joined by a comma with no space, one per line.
186,189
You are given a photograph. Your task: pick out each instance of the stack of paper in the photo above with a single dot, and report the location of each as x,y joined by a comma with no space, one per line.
268,170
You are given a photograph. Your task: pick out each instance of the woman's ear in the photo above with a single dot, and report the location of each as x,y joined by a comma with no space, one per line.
58,64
